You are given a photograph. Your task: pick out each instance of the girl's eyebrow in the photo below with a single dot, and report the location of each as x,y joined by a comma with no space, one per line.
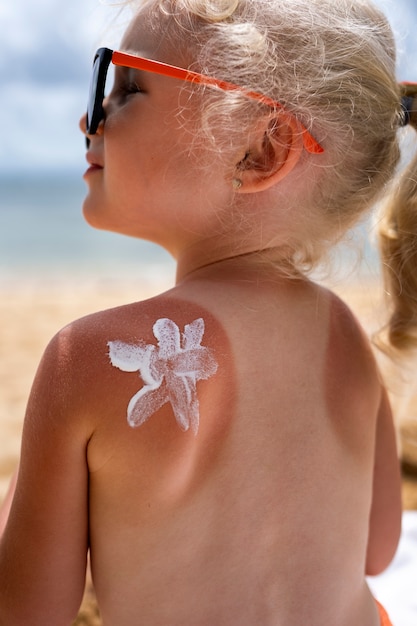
135,70
129,72
136,53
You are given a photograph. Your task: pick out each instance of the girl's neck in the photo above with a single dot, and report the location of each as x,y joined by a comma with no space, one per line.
255,265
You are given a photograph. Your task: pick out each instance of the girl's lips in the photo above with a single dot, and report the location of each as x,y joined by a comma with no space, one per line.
94,166
92,169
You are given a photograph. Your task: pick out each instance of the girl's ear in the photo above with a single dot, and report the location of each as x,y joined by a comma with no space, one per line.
274,152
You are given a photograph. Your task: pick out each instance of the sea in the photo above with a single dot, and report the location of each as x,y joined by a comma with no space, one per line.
44,236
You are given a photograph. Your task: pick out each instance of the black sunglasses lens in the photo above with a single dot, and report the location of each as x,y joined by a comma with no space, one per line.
95,111
94,106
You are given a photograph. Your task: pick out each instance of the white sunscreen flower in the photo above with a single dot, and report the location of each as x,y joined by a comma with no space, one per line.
169,370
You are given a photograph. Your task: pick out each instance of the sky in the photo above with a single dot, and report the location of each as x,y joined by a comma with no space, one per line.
46,50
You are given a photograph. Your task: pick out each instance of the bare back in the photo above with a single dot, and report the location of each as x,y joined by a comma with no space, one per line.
262,516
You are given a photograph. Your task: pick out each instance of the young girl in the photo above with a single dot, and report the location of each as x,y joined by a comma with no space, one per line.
166,437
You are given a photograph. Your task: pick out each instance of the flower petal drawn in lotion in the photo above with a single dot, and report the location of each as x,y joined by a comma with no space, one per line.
169,370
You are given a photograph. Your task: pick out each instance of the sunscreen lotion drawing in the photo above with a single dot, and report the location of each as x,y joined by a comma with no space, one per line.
169,370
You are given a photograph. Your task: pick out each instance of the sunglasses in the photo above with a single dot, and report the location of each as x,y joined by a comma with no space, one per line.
105,56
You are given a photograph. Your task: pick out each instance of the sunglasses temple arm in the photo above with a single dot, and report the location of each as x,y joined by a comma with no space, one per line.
157,67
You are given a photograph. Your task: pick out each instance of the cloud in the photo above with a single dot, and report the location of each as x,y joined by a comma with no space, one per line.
402,15
46,50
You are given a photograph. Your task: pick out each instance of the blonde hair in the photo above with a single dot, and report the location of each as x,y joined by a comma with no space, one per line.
331,63
398,246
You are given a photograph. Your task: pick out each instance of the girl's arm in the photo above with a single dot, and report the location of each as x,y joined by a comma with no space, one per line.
385,517
44,547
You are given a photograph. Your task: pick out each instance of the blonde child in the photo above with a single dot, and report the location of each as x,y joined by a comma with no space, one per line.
166,437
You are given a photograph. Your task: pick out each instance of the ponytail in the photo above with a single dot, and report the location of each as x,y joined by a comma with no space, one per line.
398,244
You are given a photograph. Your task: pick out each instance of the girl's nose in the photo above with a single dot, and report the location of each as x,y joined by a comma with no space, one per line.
83,124
83,127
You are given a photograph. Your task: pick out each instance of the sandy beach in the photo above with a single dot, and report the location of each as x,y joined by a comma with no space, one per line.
33,309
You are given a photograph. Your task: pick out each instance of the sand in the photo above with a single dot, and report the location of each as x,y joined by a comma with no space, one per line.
33,309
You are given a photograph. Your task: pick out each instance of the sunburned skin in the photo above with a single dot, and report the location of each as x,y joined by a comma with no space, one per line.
169,370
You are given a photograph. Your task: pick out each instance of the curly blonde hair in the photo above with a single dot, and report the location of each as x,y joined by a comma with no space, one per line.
331,63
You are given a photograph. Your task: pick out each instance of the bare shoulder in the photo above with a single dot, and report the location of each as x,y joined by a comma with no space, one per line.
134,320
84,341
354,384
97,351
330,325
347,338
